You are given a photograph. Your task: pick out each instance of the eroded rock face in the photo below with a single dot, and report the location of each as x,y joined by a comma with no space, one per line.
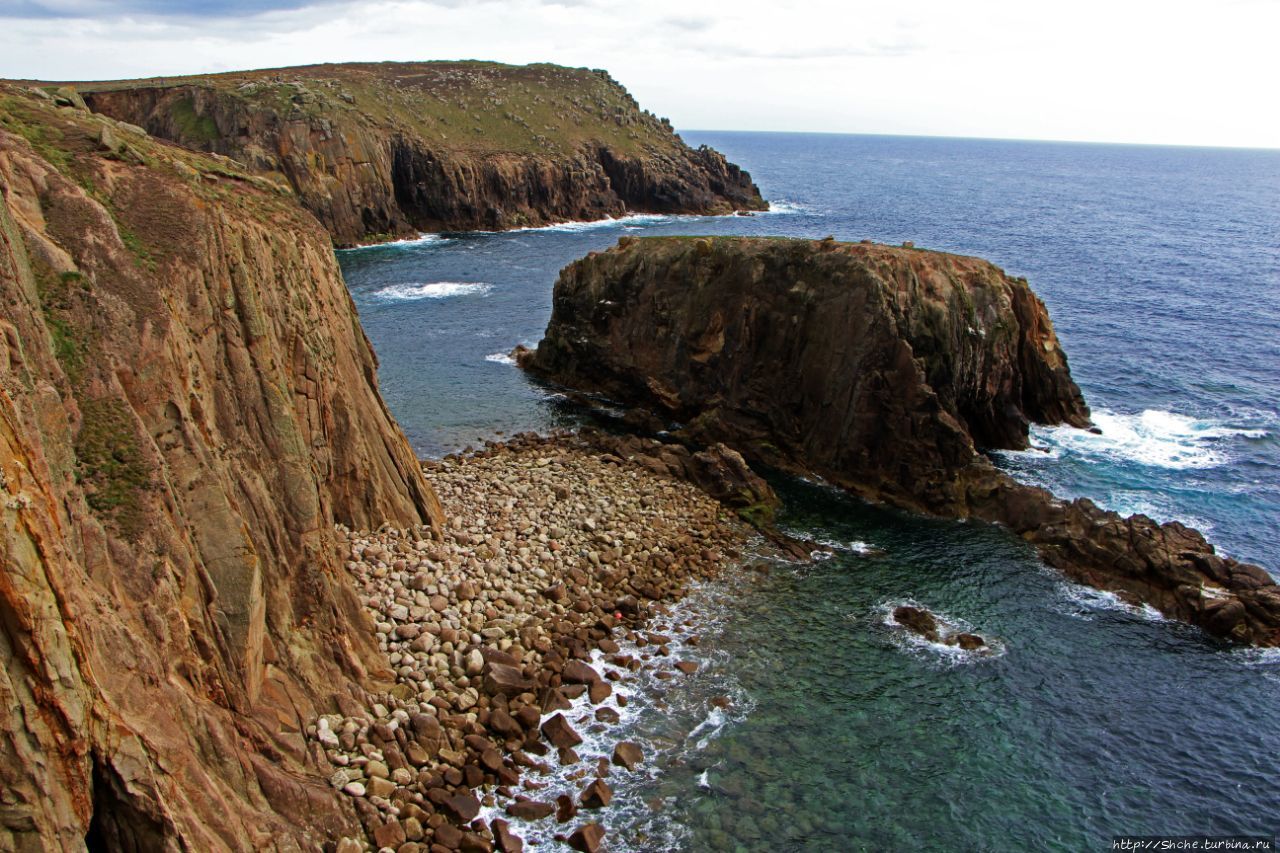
885,370
390,149
887,366
187,407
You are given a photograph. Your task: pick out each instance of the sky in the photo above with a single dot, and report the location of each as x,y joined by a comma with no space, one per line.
1183,72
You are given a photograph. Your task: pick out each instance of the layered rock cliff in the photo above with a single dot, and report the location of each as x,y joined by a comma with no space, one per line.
187,407
885,370
377,150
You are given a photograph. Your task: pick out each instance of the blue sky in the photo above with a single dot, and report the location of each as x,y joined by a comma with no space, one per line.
1174,72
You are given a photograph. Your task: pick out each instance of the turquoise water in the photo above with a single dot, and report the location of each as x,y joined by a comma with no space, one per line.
1161,269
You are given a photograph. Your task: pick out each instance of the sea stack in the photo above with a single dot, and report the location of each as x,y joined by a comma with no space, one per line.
886,370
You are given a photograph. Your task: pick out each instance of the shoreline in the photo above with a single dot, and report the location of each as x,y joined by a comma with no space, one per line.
513,631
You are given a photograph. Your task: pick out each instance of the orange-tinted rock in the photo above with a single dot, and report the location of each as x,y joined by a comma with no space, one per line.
187,408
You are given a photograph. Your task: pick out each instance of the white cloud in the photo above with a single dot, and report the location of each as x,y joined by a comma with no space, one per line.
1172,72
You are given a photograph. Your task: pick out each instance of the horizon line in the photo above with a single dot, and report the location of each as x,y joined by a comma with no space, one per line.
960,137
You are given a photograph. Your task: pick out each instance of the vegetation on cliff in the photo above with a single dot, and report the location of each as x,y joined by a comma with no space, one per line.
387,149
187,408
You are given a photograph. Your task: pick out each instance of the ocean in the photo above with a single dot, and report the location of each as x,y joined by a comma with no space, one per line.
1161,270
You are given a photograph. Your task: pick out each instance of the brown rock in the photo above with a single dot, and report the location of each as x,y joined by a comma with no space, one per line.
559,733
390,834
566,808
448,836
927,386
172,458
530,809
577,672
687,667
918,621
587,838
627,754
599,691
503,837
555,700
596,795
464,807
504,725
473,842
970,642
507,680
491,760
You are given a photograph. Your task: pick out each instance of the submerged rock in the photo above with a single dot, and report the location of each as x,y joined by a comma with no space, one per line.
887,371
918,621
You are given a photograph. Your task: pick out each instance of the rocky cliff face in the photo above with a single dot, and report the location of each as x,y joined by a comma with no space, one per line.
187,407
390,149
886,371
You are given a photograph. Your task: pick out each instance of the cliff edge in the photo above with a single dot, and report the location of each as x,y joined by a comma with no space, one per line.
887,371
187,407
380,150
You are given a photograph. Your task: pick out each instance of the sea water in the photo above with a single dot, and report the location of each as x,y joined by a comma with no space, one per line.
1161,271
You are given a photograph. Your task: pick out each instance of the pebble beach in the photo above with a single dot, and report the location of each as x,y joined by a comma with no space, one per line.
514,635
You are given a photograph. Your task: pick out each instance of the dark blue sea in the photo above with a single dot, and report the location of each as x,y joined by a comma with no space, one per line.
1161,271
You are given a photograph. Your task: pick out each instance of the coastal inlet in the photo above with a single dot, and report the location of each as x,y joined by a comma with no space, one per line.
517,641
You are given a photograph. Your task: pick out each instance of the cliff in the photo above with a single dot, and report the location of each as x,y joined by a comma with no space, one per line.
378,150
187,407
886,371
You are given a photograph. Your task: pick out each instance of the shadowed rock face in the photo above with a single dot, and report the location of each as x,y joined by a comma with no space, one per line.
390,149
885,370
889,366
187,407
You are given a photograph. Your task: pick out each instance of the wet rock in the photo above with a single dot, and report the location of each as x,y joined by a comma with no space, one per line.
596,795
587,838
970,642
559,733
627,754
530,809
918,621
503,838
566,808
599,691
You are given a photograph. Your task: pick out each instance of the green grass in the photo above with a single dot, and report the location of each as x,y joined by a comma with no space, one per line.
57,300
482,106
16,117
111,463
194,127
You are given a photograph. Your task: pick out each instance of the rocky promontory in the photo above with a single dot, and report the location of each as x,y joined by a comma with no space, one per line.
887,371
188,407
381,150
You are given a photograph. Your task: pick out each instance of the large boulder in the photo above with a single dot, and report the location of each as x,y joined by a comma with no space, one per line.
885,370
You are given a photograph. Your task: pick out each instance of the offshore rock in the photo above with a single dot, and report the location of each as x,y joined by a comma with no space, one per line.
382,150
887,371
187,409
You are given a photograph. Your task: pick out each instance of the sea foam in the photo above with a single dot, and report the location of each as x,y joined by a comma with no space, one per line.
431,290
1154,438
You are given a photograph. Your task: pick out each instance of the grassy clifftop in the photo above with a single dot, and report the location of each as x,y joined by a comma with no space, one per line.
389,149
471,105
